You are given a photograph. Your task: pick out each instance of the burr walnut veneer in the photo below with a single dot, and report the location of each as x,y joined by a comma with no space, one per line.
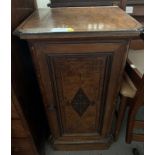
79,70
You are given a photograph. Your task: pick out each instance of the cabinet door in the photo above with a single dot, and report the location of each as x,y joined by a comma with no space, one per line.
79,84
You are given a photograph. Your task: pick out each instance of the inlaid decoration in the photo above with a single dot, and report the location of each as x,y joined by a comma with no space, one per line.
80,102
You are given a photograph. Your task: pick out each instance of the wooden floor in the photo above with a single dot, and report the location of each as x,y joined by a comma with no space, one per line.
117,148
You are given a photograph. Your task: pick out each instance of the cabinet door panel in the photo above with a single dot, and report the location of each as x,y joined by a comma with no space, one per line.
79,83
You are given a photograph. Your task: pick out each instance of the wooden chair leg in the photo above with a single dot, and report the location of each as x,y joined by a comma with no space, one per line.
137,103
121,113
130,124
129,130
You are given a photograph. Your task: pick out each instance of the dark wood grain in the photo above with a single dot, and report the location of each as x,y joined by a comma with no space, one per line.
137,44
17,129
21,138
14,113
81,3
123,4
22,147
138,137
138,124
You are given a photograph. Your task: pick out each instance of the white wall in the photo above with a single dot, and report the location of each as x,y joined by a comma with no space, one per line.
42,3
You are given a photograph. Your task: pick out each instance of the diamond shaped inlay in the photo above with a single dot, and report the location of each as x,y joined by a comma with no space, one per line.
80,102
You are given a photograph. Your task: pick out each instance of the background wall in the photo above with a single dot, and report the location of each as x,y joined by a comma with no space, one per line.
42,3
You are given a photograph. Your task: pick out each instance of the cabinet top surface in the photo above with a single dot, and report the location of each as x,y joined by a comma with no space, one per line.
78,19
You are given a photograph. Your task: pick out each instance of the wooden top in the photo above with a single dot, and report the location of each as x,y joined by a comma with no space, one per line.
104,21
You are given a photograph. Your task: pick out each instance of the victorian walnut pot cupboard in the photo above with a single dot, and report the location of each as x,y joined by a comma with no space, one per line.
79,55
